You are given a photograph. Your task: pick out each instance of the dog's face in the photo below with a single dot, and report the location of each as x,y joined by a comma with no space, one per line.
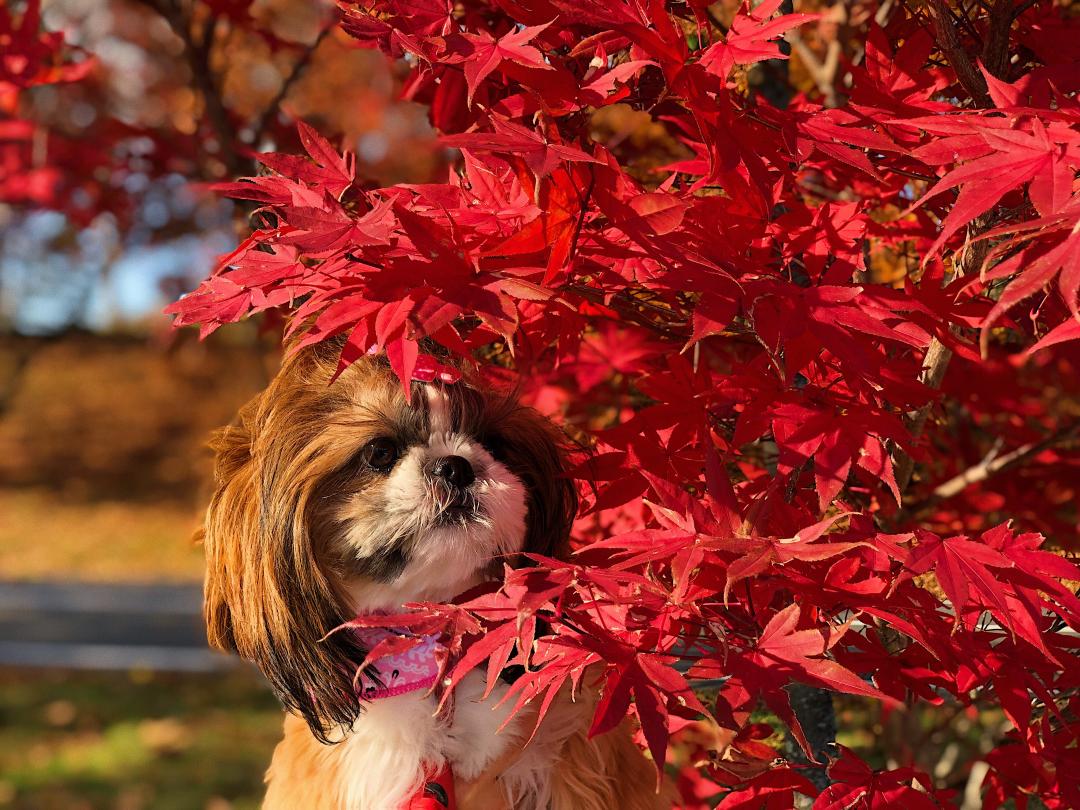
334,499
426,503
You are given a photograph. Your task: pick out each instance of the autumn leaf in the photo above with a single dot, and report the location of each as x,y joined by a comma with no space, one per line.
751,38
488,53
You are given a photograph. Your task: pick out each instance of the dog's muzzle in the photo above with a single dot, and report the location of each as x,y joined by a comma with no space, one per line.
455,475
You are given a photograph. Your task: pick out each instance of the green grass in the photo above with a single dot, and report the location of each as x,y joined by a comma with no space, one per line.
134,741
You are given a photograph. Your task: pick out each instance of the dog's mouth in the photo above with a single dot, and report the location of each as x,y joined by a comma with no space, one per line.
462,508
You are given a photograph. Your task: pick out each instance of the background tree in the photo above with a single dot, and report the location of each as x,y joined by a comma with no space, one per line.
815,326
118,134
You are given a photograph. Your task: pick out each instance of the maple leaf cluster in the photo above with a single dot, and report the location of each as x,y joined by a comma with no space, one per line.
753,391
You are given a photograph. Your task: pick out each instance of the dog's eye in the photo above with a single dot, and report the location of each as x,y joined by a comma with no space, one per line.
380,454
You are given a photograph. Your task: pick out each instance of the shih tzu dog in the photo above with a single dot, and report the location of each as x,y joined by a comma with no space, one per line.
338,499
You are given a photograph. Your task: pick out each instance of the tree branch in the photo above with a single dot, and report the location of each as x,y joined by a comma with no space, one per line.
994,464
948,40
938,355
197,51
298,68
935,364
723,29
823,73
995,56
995,52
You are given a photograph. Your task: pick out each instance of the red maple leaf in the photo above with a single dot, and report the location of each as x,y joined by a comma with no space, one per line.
751,38
488,53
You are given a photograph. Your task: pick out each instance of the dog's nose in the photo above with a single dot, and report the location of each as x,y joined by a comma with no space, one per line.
455,471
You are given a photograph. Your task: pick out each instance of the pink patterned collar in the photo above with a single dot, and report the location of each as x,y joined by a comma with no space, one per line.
408,670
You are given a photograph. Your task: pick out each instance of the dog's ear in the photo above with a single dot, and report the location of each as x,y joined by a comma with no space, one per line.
537,452
266,597
232,481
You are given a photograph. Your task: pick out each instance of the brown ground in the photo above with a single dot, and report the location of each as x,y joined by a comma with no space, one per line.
102,462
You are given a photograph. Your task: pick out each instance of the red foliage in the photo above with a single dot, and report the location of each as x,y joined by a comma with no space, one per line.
751,390
30,57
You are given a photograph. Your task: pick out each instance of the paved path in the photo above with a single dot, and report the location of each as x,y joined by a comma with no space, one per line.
105,626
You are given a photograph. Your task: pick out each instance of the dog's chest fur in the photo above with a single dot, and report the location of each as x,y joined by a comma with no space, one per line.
383,760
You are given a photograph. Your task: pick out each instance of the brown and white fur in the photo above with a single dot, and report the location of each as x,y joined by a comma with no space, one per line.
336,499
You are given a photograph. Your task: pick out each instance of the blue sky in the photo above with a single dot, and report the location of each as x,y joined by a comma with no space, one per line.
53,275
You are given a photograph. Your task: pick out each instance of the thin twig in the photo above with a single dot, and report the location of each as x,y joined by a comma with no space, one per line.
905,173
1020,9
716,20
298,68
630,308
